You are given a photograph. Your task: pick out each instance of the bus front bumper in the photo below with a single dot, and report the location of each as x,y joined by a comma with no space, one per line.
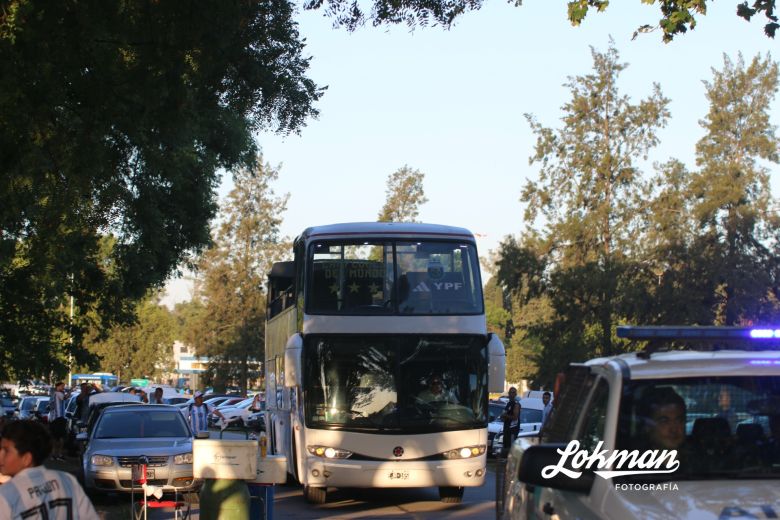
395,474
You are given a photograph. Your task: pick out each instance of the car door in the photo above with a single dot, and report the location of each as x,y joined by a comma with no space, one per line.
589,431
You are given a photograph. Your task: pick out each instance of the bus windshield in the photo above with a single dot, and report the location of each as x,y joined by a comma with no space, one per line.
389,277
414,384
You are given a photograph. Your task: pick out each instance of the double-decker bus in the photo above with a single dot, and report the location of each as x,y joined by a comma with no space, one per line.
378,362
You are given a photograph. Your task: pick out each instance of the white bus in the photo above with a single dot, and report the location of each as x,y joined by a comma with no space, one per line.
378,362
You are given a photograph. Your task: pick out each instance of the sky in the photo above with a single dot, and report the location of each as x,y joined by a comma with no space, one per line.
452,104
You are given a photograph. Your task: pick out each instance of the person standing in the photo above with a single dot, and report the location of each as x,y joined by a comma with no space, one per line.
511,419
157,396
35,491
82,401
57,423
547,402
198,413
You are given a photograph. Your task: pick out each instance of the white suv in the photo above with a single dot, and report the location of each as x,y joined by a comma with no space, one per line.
662,434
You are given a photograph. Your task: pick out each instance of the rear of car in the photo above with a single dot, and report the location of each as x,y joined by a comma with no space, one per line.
27,407
124,434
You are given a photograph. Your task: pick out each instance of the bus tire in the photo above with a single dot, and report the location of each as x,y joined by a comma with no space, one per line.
451,495
315,495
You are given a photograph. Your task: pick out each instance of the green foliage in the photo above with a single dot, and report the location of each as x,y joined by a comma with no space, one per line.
734,204
498,318
677,16
140,349
405,194
683,247
228,325
115,118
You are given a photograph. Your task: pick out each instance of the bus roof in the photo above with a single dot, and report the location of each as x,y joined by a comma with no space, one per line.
386,229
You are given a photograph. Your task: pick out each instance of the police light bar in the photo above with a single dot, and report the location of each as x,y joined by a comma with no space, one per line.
705,332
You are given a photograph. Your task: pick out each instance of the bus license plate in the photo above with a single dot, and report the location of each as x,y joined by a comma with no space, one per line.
398,475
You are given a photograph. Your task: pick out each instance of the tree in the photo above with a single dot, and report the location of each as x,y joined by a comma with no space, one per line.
233,273
590,191
116,119
734,204
405,195
140,349
677,16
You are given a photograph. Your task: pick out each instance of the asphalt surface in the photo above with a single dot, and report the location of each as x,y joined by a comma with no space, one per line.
388,504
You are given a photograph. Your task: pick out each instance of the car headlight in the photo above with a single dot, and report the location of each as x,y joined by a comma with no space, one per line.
465,453
101,460
184,458
329,453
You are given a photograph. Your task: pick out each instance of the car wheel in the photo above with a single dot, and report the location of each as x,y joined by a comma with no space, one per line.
315,495
451,495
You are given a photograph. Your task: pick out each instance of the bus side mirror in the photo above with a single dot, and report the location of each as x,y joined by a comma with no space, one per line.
292,361
496,364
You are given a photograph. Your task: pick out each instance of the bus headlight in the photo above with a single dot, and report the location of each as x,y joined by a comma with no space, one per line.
101,460
328,453
465,453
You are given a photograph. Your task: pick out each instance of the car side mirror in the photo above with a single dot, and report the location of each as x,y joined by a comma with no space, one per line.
536,458
82,437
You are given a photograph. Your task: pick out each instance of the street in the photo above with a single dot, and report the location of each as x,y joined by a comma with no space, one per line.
396,504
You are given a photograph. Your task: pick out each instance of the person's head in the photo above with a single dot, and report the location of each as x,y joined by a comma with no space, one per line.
60,386
24,444
85,387
198,398
158,392
663,412
546,398
512,393
724,398
132,391
436,385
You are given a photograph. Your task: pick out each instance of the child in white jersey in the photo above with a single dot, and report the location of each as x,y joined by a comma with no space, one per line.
34,491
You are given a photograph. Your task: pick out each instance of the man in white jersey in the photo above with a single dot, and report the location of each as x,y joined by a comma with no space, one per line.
199,414
35,492
57,422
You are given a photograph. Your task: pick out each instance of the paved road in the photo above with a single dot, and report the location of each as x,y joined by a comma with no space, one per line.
391,504
395,504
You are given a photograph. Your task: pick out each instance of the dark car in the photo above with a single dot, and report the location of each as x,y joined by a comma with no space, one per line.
8,407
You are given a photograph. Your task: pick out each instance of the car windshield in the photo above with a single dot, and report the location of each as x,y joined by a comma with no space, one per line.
28,404
495,411
141,425
721,427
530,415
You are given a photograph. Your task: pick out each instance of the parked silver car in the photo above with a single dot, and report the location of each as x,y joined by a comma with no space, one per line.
123,433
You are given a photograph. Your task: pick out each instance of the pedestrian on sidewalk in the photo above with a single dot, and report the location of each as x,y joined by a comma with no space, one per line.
57,422
198,414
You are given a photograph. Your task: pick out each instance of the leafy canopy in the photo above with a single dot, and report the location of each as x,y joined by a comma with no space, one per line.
677,16
115,119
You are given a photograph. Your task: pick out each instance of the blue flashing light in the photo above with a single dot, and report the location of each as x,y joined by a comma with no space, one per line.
697,332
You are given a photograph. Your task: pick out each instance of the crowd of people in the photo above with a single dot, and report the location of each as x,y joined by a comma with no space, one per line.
28,489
